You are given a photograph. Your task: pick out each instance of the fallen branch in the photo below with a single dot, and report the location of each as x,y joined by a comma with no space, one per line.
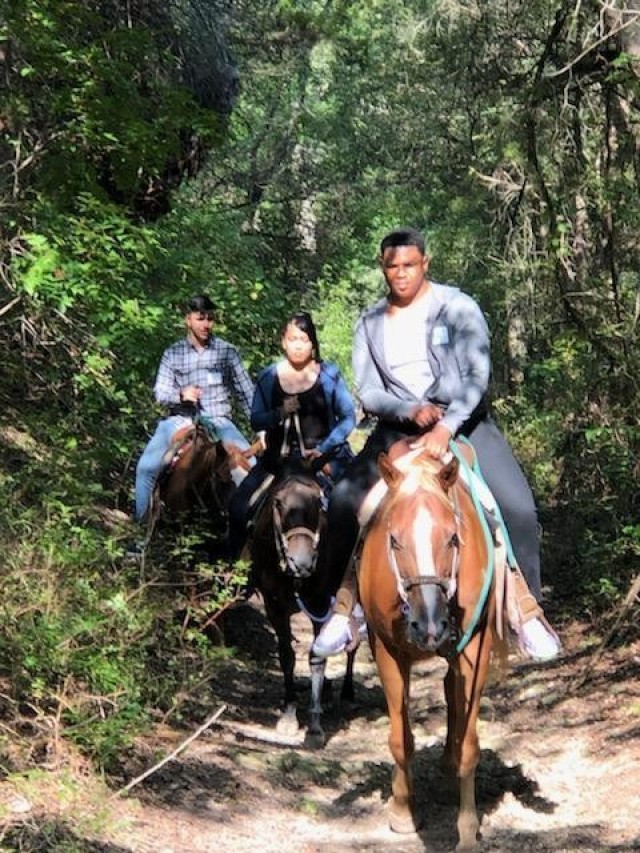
631,597
185,743
9,305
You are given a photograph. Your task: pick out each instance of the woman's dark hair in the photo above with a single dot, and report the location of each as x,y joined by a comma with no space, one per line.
302,320
200,304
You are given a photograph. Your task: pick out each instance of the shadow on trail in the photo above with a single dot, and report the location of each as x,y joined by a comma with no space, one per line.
338,789
250,682
44,836
230,779
437,793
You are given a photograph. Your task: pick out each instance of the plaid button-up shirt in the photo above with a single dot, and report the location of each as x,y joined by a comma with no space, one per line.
217,370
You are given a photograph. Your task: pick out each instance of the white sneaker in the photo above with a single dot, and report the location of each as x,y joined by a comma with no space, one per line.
334,637
538,641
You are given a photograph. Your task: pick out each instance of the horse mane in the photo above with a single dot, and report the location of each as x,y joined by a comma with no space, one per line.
420,473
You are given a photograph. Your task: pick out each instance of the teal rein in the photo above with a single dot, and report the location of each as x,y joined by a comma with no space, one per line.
208,425
491,556
511,557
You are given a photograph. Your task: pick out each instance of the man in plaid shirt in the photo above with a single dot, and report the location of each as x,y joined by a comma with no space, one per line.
199,369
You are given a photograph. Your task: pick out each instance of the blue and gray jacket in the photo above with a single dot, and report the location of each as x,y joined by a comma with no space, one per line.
456,339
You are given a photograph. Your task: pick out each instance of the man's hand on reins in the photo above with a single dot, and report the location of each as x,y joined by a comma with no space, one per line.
190,393
435,441
426,414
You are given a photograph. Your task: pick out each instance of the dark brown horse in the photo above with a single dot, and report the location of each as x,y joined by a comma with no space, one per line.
199,478
284,554
426,586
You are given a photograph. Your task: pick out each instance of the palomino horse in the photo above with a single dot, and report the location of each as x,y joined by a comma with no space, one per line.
427,588
284,549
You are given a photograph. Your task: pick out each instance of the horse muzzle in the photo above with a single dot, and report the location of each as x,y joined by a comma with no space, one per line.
428,625
299,553
299,570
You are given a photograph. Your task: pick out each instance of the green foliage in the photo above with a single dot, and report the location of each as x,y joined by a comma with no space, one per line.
501,128
91,642
97,107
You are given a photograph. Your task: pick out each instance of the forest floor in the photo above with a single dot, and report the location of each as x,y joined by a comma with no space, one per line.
559,767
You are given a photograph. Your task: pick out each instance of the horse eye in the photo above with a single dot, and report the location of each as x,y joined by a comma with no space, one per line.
395,545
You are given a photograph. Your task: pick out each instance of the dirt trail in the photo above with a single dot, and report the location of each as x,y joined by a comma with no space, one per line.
559,768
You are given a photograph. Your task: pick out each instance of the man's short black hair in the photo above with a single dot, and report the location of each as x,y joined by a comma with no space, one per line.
403,237
200,304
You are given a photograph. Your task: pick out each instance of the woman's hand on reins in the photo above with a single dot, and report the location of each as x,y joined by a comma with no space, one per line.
315,454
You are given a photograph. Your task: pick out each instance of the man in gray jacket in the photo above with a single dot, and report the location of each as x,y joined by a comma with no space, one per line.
421,360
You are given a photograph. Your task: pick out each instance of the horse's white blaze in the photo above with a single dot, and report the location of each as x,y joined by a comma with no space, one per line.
410,483
422,527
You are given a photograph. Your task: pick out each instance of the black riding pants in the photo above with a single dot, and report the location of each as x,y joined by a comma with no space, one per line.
240,509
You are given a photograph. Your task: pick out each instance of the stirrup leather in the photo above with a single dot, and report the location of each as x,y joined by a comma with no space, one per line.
521,604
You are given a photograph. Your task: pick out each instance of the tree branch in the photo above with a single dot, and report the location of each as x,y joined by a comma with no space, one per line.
185,743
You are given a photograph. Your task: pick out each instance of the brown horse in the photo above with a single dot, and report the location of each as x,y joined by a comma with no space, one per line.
284,548
427,588
200,477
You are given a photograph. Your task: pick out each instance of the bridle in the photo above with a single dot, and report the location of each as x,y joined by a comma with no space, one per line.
448,583
405,583
283,537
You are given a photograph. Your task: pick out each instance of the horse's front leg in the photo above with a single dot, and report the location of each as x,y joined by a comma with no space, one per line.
281,622
347,693
464,683
315,734
394,675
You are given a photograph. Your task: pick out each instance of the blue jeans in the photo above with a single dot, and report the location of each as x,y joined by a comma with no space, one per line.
150,463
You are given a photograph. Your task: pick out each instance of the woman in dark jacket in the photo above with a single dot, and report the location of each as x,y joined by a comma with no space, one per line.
304,407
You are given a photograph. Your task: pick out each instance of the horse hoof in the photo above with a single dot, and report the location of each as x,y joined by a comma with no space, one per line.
288,724
403,822
468,835
315,739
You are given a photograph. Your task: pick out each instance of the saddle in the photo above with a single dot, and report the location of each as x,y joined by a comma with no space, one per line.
513,597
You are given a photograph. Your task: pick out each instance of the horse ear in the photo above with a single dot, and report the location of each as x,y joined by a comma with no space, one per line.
448,474
388,470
